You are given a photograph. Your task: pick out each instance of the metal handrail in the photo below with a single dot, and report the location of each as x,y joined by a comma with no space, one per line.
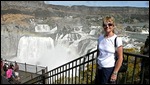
82,71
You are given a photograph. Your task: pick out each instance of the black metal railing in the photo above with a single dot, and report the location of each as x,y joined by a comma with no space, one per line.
82,71
136,68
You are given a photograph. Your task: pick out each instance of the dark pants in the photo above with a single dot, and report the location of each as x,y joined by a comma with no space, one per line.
103,75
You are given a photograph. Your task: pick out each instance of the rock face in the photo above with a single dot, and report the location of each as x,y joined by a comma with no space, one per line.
146,61
36,7
146,47
19,18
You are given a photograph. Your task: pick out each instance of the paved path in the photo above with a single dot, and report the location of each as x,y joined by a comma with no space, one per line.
4,80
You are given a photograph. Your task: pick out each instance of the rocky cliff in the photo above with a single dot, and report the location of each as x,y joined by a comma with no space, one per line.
19,18
49,10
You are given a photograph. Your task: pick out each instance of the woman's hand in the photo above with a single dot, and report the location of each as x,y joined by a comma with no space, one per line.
113,77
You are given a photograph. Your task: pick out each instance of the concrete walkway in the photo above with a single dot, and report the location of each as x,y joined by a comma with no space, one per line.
4,80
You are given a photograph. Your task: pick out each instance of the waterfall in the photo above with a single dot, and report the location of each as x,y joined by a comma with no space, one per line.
46,51
30,49
41,51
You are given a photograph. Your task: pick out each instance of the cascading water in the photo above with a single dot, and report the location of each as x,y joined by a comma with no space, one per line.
42,28
41,51
30,49
49,52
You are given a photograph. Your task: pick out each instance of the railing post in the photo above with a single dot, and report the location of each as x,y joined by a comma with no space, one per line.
25,69
46,80
36,69
142,71
43,76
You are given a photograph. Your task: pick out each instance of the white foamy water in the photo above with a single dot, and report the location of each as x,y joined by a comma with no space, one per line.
42,28
45,51
41,51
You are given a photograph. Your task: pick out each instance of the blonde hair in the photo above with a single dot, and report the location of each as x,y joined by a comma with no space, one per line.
109,19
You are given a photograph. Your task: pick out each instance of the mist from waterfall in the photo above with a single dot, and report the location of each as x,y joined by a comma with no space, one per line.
46,51
41,51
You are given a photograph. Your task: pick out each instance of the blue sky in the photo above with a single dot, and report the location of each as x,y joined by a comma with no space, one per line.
102,3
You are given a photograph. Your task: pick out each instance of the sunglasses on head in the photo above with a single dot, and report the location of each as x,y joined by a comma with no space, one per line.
109,24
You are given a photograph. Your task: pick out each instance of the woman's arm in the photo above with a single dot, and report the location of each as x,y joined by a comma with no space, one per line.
118,63
119,60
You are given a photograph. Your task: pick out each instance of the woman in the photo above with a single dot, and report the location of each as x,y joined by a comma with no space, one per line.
108,66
